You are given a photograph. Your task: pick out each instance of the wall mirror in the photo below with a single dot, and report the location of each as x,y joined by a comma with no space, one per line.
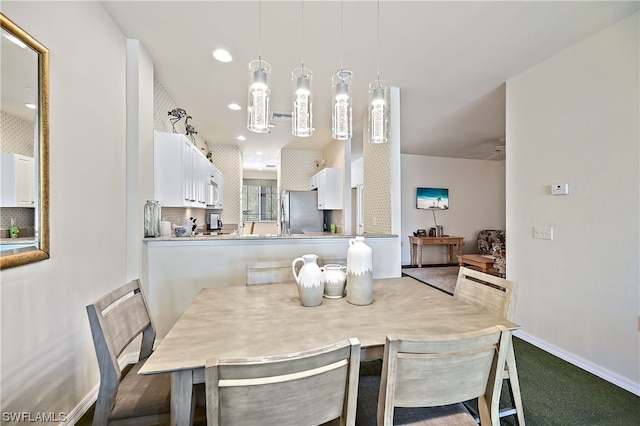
24,147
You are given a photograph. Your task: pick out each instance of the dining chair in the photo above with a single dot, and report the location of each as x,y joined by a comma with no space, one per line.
425,379
498,295
306,388
116,319
270,272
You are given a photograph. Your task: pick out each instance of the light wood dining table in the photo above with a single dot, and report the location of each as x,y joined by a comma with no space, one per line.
263,320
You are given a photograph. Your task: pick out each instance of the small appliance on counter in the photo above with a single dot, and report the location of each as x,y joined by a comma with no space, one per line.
213,221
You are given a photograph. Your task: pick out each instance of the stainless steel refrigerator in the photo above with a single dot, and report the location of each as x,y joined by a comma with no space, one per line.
299,213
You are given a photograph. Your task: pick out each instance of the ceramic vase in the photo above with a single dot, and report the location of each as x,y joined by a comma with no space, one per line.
310,280
359,272
335,278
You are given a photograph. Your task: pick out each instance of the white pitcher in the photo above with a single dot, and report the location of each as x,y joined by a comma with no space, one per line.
335,277
310,280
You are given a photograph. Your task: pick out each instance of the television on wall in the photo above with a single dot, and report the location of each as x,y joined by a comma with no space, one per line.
432,198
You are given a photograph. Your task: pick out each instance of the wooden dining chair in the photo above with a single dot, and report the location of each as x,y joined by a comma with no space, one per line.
425,379
497,295
306,388
270,272
116,319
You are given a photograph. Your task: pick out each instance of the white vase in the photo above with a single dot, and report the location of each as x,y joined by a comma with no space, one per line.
335,278
359,272
310,280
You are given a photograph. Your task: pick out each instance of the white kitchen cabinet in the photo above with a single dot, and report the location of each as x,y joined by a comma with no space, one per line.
328,183
18,185
215,189
180,171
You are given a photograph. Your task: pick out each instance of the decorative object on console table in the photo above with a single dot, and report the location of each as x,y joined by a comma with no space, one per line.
359,272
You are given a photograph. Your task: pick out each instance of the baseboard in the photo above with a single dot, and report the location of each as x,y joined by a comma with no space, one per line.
81,409
623,382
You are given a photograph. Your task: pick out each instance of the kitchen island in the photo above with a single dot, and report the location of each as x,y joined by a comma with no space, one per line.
179,267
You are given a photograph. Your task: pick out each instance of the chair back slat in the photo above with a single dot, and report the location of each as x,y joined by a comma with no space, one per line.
486,291
431,371
311,387
116,319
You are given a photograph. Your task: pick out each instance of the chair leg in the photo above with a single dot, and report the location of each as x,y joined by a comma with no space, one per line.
514,385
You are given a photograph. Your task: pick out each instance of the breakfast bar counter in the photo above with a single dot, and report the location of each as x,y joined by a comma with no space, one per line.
175,269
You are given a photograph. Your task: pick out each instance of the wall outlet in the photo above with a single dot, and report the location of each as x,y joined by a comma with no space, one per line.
543,232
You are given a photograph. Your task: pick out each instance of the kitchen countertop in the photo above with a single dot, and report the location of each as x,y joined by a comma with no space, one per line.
20,240
254,237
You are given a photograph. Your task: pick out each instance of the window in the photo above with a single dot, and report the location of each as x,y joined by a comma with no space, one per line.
259,200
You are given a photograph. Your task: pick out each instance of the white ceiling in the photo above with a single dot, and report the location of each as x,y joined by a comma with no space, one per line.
450,60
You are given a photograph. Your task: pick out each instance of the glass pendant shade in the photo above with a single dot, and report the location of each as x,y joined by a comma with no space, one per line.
379,105
258,105
341,121
302,123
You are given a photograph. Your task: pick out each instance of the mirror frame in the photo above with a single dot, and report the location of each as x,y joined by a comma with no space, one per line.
42,150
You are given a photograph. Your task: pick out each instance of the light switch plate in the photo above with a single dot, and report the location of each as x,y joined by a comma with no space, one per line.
560,189
543,232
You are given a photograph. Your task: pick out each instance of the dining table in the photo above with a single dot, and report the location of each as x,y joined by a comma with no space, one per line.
263,320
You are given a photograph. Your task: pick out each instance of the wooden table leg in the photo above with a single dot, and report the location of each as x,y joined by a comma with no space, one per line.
450,254
419,250
460,249
413,253
182,401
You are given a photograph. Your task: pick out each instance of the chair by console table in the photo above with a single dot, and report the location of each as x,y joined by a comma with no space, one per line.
416,244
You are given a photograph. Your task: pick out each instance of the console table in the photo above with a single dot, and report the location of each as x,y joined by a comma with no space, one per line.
416,244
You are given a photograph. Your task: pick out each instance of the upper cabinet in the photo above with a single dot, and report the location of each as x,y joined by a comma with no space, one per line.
215,189
182,174
18,181
328,183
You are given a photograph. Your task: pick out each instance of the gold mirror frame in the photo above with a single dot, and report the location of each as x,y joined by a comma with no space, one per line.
42,151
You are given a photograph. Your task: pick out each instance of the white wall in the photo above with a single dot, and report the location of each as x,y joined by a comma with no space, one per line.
48,361
574,119
476,200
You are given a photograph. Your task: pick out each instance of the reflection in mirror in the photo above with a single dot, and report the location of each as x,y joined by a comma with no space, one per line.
24,147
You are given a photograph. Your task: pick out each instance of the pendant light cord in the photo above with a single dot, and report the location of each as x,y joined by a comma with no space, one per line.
378,43
302,34
260,32
341,38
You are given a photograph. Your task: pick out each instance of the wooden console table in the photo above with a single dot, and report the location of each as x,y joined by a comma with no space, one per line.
416,244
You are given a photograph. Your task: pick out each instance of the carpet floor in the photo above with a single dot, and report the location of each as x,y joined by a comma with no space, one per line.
441,277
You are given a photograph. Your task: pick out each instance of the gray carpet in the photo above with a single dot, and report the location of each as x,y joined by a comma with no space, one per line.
440,277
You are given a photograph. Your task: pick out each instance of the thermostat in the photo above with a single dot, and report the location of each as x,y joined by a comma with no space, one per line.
560,189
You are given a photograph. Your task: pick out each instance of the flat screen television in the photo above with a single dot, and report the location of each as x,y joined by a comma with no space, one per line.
432,198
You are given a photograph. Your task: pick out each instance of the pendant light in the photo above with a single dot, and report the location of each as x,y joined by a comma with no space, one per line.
302,117
341,122
379,102
259,72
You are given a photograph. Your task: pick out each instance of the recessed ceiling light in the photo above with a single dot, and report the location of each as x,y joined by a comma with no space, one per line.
234,107
259,153
31,106
241,138
222,55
